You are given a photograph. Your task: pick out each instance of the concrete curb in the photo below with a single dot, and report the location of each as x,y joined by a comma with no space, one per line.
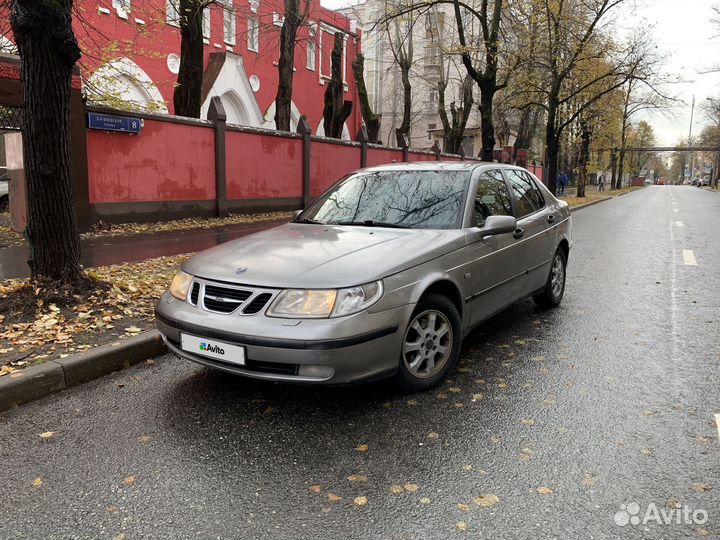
56,375
591,203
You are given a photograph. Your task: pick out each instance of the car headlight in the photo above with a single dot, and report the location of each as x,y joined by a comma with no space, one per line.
355,299
181,285
298,303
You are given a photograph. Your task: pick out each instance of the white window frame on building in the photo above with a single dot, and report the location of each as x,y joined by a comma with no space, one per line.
206,24
229,22
122,8
326,28
312,47
172,12
253,34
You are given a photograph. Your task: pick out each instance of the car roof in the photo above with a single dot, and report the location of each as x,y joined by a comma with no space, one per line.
438,166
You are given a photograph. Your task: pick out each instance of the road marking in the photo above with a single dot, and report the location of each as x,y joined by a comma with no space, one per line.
689,257
717,423
679,224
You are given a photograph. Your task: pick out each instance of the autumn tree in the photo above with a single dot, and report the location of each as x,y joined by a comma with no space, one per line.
48,52
295,15
574,41
371,120
336,110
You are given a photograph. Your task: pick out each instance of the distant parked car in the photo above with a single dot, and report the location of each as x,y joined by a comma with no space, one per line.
383,274
4,192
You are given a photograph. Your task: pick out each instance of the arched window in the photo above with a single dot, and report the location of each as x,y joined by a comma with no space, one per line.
123,84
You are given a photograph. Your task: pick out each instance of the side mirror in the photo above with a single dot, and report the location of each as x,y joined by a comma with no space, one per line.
498,225
295,214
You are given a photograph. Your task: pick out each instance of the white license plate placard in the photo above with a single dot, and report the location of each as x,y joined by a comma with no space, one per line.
234,354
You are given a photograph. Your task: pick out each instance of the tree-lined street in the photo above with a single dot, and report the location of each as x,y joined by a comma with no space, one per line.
553,421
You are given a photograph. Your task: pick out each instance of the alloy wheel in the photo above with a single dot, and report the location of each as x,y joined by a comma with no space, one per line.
428,344
557,278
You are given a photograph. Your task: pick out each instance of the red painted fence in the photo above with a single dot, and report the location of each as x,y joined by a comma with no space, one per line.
169,169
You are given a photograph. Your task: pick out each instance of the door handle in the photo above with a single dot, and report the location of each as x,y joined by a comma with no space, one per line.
518,233
551,218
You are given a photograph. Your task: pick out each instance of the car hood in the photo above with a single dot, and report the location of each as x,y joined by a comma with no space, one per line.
321,256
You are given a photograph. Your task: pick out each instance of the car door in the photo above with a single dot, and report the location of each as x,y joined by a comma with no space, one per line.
536,233
494,266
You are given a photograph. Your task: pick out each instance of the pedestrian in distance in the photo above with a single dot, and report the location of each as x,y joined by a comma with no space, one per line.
601,183
562,181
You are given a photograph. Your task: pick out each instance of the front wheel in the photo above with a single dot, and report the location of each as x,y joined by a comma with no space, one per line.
431,345
552,294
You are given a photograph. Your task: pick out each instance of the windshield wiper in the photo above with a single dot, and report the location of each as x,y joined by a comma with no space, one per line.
371,223
308,220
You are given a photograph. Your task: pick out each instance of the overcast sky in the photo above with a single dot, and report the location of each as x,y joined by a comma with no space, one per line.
683,29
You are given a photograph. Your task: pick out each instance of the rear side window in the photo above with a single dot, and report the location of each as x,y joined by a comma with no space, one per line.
492,197
526,194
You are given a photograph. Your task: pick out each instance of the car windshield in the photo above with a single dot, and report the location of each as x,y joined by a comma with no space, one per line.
407,199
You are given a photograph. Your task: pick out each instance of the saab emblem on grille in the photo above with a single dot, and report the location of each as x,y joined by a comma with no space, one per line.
241,270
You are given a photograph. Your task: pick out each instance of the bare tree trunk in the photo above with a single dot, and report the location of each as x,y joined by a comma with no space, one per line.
583,162
336,110
404,129
188,90
48,52
286,63
454,128
552,145
372,120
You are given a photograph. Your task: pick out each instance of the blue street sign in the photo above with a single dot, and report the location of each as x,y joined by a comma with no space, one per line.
111,122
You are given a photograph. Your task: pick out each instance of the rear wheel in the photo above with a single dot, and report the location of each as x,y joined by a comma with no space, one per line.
431,344
552,294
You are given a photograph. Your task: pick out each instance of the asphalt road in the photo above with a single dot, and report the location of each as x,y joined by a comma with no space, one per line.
608,400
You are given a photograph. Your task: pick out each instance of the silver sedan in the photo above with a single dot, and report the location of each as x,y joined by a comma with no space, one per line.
382,275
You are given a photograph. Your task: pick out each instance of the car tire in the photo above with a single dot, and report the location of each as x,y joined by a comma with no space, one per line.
433,336
552,294
4,204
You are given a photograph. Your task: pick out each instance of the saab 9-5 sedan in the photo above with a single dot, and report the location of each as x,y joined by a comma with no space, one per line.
384,274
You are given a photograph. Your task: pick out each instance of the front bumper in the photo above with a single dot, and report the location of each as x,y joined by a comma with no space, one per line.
322,351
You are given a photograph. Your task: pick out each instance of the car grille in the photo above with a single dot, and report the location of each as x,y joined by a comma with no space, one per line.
226,299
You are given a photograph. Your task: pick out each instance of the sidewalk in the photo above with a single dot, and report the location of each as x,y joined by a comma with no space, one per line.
104,251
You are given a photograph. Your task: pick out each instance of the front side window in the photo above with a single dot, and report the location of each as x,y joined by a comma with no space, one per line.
524,192
492,197
409,199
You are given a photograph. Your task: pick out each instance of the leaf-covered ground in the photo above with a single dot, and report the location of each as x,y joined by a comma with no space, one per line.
9,238
33,330
593,195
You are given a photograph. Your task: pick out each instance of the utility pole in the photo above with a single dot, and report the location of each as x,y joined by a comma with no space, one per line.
692,154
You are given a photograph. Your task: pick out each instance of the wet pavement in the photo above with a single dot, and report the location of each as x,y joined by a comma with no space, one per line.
553,421
136,247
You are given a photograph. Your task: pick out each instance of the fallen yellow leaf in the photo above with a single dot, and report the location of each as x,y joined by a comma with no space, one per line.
542,490
486,500
463,507
334,498
412,488
357,478
433,435
397,489
144,439
461,526
37,482
129,480
315,488
47,434
424,500
360,501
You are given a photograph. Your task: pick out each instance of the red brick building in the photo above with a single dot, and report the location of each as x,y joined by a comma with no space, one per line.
131,54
